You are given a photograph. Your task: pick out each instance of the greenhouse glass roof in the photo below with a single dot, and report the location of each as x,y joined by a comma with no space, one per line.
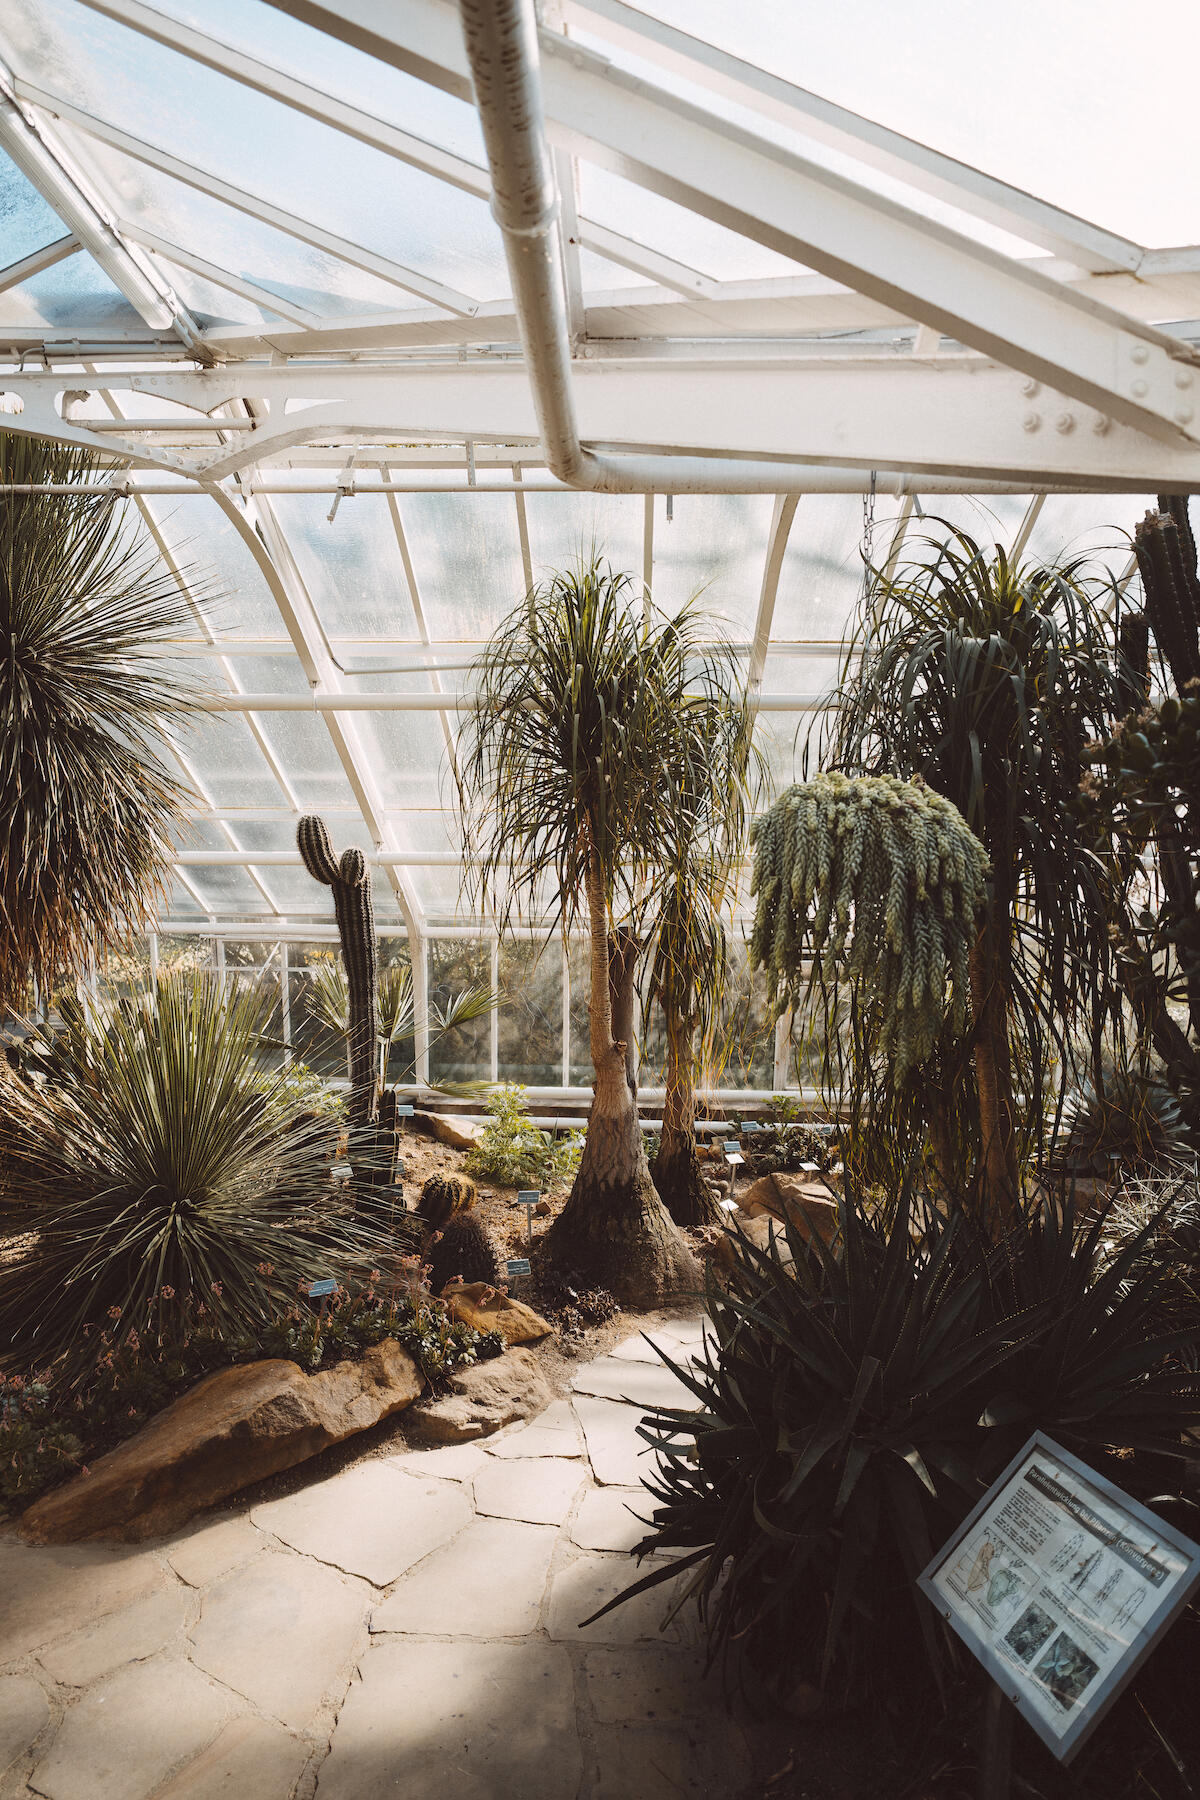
812,295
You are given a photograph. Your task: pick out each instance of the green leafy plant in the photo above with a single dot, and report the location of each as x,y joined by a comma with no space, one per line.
856,1399
514,1152
878,883
784,1148
157,1157
88,692
397,1017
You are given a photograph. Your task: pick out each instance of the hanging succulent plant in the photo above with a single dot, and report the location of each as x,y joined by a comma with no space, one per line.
878,882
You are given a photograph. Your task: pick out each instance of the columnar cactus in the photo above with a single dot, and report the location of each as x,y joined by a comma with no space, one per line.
1166,556
350,880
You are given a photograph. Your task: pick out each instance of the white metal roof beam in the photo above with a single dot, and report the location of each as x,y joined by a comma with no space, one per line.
33,264
776,197
328,703
967,188
380,134
357,255
41,162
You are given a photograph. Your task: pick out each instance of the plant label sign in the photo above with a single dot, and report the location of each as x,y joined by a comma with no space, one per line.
322,1290
1061,1584
528,1197
517,1265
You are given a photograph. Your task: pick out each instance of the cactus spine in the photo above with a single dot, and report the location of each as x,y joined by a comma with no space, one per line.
351,883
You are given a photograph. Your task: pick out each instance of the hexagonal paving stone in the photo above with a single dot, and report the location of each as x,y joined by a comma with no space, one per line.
538,1489
283,1631
373,1520
49,1591
126,1735
476,1721
488,1583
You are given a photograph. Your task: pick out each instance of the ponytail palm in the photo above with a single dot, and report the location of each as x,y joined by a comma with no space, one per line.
565,778
87,802
988,680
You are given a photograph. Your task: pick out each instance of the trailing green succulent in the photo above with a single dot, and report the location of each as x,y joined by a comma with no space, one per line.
514,1152
855,1402
879,883
153,1152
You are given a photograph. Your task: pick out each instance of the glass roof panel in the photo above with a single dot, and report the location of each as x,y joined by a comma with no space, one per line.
351,566
221,749
301,743
466,556
1096,526
716,543
27,222
73,293
821,577
563,527
1063,84
260,145
713,250
239,603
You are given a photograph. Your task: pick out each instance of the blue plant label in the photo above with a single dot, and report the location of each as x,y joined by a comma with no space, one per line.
405,1112
320,1290
517,1265
528,1197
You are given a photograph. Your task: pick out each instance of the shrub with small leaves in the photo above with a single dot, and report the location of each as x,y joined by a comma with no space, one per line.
515,1153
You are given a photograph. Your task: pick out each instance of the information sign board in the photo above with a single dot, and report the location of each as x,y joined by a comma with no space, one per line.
1060,1584
517,1265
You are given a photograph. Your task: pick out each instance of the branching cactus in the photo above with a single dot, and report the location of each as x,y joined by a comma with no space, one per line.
350,880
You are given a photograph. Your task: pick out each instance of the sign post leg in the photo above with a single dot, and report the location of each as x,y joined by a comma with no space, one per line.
995,1762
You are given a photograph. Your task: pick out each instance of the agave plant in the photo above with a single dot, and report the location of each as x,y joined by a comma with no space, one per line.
397,1013
169,1174
856,1400
86,691
1126,1121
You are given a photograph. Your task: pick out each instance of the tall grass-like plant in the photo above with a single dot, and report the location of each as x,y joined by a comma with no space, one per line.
86,691
169,1174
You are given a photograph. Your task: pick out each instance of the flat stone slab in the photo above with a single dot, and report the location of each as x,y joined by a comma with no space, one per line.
488,1583
538,1489
619,1457
553,1433
641,1686
638,1349
639,1384
682,1761
449,1462
590,1582
24,1715
130,1635
211,1550
48,1593
372,1520
123,1738
283,1631
605,1520
476,1721
250,1760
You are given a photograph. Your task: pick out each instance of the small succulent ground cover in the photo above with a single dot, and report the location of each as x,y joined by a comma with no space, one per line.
51,1429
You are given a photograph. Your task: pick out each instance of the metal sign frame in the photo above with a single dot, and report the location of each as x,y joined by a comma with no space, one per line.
1091,1711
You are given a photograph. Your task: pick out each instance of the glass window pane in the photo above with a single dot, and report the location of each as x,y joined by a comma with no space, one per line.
580,967
530,1019
466,555
564,527
352,566
27,222
238,601
463,1054
74,292
714,545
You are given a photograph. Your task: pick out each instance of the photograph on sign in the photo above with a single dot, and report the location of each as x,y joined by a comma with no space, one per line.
1060,1583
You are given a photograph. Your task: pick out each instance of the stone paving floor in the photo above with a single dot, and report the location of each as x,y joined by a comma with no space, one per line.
409,1627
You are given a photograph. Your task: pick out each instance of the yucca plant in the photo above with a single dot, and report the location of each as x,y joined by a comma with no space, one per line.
857,1399
169,1175
86,693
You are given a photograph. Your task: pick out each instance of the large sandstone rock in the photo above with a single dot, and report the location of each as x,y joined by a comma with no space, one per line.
482,1398
460,1134
232,1429
808,1204
487,1309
